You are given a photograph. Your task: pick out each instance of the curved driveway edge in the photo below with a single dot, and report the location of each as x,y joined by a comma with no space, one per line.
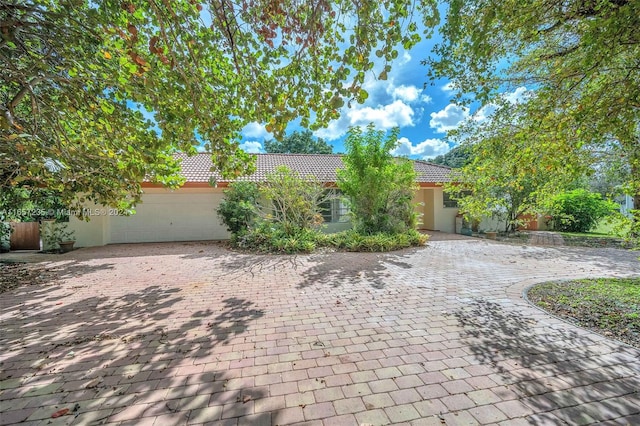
191,333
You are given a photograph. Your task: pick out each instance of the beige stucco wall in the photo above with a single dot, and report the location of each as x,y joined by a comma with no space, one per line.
184,214
436,217
163,218
95,231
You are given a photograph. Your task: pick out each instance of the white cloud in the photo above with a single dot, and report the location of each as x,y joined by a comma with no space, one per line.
406,58
449,87
485,112
335,129
428,148
449,118
256,130
383,117
405,93
252,147
408,94
517,95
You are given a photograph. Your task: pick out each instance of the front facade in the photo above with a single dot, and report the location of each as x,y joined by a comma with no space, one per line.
190,213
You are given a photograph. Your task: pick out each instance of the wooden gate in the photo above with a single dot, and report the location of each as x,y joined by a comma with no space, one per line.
25,236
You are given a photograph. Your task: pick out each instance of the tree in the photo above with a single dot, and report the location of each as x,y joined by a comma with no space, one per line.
457,157
581,57
97,96
298,143
515,166
380,188
294,201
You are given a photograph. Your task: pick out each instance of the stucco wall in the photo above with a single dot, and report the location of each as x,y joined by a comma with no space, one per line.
187,214
445,217
435,217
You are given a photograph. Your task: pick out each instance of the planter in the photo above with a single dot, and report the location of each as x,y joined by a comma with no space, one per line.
491,235
66,246
466,231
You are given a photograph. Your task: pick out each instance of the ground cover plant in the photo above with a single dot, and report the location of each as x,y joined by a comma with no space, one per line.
609,306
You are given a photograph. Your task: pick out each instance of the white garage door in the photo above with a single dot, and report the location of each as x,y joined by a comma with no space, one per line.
171,217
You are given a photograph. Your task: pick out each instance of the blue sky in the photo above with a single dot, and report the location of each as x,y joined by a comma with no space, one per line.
423,112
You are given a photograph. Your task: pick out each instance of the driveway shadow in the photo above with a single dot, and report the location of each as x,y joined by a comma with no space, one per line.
341,268
621,261
112,359
561,374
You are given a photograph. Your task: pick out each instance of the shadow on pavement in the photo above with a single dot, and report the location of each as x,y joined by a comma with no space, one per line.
340,268
112,359
615,260
556,371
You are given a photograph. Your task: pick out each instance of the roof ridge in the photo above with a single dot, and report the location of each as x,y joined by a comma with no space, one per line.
433,164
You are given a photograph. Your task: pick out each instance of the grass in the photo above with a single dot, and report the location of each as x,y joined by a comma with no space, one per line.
588,234
609,306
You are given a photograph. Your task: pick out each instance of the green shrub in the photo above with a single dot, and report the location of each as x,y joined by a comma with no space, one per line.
579,210
379,187
273,238
5,237
269,237
354,241
238,209
294,201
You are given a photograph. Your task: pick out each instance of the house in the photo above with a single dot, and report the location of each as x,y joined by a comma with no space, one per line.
189,213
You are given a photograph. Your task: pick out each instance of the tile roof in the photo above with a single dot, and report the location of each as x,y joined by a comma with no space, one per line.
199,168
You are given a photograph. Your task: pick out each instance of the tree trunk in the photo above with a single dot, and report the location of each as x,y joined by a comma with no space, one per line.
635,185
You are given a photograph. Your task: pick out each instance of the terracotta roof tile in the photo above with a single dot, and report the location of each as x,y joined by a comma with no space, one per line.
199,168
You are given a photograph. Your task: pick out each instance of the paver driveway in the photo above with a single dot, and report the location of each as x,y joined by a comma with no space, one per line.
193,333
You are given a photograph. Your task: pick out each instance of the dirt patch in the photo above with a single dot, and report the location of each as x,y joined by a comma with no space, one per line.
16,274
610,307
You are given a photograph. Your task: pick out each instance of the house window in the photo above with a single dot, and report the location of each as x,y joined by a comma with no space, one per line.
449,202
334,209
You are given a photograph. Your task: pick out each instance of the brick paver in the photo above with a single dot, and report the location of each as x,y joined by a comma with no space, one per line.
191,333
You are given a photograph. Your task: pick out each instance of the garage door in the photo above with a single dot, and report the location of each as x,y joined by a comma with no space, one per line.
171,217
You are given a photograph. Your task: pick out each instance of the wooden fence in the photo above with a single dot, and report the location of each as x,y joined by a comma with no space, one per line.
25,236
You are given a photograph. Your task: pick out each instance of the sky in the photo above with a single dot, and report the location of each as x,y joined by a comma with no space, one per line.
407,99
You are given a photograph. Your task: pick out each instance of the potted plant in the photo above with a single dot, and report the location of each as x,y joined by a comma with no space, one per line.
58,235
491,235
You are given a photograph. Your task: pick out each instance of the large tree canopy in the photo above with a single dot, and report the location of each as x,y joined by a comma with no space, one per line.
582,58
298,143
77,77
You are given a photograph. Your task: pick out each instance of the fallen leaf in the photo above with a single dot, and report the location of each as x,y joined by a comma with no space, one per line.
59,413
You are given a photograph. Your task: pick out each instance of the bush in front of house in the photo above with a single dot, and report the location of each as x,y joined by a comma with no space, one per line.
293,201
579,210
267,237
352,240
238,209
282,215
379,187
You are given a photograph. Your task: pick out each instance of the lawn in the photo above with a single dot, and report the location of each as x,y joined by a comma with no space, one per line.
608,306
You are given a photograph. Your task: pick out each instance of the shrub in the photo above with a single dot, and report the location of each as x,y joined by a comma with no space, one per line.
354,241
293,200
273,238
238,209
579,210
5,236
379,187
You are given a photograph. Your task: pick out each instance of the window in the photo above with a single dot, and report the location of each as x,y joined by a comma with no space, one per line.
334,209
449,202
